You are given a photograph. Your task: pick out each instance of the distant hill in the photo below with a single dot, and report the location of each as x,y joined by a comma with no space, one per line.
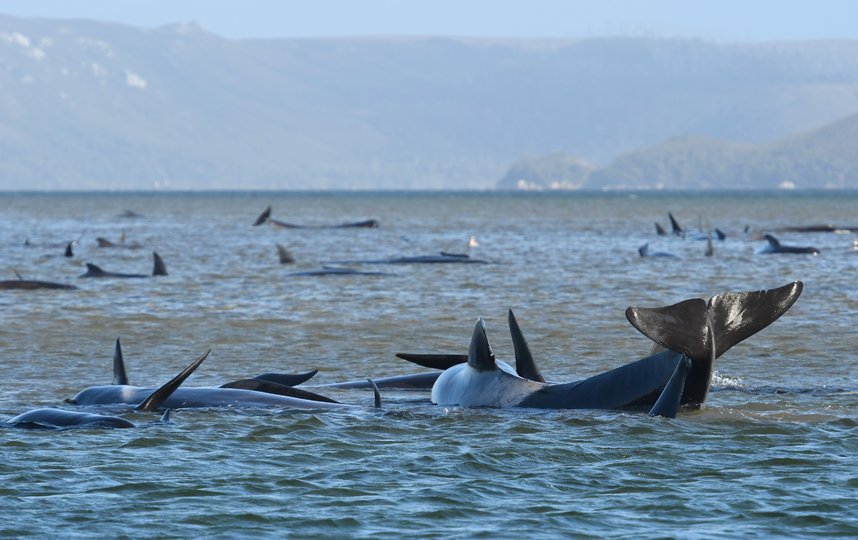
822,158
101,106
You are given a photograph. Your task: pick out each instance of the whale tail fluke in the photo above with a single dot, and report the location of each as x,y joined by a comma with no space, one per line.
480,354
685,327
159,396
525,366
263,217
160,269
288,379
270,387
119,374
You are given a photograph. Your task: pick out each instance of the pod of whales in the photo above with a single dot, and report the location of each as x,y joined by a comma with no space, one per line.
51,418
93,271
197,397
265,217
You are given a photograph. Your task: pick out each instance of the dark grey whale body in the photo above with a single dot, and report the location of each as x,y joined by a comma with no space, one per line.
265,217
32,284
776,247
442,257
265,391
696,330
51,418
93,271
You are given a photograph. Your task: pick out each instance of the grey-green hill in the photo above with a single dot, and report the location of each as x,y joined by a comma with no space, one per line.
103,106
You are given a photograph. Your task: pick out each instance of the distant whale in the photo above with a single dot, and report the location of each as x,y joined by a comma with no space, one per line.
776,247
644,251
32,284
93,271
51,418
442,257
336,271
265,217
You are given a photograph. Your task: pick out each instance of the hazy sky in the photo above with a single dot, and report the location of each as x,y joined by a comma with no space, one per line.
727,20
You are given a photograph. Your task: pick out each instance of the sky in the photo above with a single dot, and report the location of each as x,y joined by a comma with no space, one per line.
720,20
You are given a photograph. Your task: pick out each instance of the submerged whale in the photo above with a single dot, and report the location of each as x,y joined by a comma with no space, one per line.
442,257
336,271
265,217
776,247
644,251
93,271
32,284
52,418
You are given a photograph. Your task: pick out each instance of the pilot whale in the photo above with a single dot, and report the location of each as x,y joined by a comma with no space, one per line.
699,330
199,397
32,284
93,271
52,418
483,382
776,247
265,217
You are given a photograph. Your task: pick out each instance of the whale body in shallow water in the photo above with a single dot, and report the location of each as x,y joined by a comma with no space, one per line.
483,382
93,271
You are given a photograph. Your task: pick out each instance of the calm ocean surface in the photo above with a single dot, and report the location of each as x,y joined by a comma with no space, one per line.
774,452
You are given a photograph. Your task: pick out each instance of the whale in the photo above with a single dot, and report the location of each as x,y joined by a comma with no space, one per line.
697,329
271,383
208,397
442,257
644,251
336,271
93,271
265,217
32,284
776,247
53,418
484,382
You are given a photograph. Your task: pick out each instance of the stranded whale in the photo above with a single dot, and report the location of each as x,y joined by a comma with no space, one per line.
776,247
93,271
51,418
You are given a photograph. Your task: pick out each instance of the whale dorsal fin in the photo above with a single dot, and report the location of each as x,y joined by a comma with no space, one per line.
263,217
20,277
119,375
104,242
774,242
285,256
480,355
643,251
159,396
674,225
659,230
160,269
93,270
69,252
670,398
525,366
